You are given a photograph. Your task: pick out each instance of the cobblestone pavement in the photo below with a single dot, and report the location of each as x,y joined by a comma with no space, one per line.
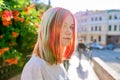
16,77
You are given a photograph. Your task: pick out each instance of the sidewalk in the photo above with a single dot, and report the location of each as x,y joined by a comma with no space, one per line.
81,72
117,50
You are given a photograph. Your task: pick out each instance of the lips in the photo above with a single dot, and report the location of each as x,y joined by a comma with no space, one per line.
67,38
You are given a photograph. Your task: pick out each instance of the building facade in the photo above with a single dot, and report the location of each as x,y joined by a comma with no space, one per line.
102,27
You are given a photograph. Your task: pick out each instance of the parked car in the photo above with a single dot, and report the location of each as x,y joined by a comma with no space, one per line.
96,46
110,46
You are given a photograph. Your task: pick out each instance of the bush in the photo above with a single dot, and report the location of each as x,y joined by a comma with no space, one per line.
19,22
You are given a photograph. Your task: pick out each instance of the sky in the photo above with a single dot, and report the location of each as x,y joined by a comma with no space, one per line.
83,5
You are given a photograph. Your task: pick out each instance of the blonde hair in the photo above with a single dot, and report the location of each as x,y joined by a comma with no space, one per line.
48,44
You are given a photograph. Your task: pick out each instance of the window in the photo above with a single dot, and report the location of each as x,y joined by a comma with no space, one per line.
99,38
119,27
110,27
115,17
92,19
115,27
91,38
95,18
84,38
92,28
99,28
95,28
100,18
110,17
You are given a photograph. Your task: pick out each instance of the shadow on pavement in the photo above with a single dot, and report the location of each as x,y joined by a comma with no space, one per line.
81,72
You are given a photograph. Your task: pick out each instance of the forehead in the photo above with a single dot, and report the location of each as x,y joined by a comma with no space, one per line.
69,19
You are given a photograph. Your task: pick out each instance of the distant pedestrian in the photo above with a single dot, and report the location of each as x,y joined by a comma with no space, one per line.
81,48
88,54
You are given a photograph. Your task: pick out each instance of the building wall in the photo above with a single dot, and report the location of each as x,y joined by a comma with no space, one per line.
98,25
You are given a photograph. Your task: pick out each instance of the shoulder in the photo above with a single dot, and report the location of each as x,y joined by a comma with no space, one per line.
35,64
35,61
33,68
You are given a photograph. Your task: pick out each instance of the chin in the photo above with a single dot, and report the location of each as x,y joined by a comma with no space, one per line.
66,44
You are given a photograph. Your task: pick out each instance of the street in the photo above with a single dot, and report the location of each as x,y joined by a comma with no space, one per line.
110,57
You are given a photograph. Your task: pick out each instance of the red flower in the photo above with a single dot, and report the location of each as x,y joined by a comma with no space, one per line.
3,50
27,10
12,44
6,23
18,19
37,24
6,17
15,13
32,6
16,16
39,16
6,49
12,61
41,11
1,36
14,34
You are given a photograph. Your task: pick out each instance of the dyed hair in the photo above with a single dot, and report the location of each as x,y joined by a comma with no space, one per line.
48,44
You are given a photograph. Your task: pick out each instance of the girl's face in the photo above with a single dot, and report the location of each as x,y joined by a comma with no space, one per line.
67,31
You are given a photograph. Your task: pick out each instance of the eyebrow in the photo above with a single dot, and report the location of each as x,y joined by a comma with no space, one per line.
71,24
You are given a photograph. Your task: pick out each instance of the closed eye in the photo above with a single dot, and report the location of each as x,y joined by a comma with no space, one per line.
72,26
65,25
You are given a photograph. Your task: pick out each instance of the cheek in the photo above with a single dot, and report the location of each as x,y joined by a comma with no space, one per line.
65,42
66,36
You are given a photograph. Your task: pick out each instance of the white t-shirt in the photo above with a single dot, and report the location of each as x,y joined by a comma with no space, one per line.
38,69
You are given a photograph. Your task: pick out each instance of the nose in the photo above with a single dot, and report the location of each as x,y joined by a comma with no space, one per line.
68,31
